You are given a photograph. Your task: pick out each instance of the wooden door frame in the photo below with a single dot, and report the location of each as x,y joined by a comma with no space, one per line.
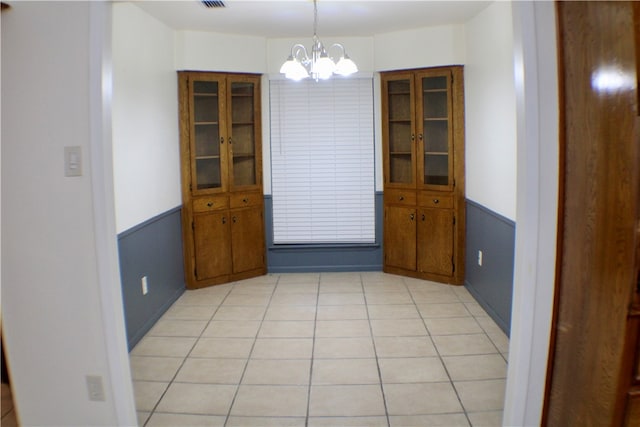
590,175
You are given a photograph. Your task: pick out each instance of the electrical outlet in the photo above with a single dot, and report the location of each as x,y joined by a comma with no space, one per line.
480,258
145,285
95,388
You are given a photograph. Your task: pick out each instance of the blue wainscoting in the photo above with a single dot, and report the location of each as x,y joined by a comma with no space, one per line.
152,249
312,258
492,283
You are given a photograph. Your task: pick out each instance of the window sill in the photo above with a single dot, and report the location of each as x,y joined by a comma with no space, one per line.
288,247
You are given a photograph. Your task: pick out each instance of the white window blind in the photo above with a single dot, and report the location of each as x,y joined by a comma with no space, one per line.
322,161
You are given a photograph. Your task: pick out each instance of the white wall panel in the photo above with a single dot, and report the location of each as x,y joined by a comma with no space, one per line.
57,322
146,144
197,50
422,47
490,110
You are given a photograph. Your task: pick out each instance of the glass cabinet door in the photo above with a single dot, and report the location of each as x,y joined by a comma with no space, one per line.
400,131
435,168
243,132
207,140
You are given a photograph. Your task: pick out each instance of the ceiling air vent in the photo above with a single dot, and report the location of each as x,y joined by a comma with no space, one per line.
213,3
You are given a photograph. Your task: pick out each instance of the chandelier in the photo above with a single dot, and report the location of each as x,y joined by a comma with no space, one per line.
319,65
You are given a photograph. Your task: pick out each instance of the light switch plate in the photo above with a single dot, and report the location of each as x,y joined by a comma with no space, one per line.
73,161
95,388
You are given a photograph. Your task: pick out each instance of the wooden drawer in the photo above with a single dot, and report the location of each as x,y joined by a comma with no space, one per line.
435,200
211,203
241,200
400,197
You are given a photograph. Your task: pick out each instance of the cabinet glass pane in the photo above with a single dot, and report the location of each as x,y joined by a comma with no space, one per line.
206,134
400,143
205,100
243,133
208,173
435,105
207,137
436,136
400,138
436,169
400,168
435,125
431,83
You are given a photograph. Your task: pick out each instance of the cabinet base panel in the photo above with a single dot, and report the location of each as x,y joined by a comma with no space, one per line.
219,280
450,280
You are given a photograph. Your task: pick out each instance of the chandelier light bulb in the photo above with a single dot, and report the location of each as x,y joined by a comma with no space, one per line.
345,66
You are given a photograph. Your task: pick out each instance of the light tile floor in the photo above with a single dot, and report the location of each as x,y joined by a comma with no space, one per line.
322,349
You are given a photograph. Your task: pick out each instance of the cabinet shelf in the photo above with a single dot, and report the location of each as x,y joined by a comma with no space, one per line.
436,119
436,153
206,157
203,94
243,123
206,123
400,153
434,91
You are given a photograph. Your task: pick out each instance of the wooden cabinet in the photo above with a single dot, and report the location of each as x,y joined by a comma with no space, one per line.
222,215
423,150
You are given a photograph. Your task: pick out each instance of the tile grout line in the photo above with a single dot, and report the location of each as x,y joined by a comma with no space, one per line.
375,353
253,345
440,356
313,348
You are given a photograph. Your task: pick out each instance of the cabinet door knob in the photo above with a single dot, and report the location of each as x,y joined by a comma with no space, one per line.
224,219
436,201
230,141
423,217
412,216
234,219
420,137
209,204
222,140
245,200
401,198
413,137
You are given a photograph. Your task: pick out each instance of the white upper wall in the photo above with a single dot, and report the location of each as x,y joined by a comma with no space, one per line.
197,50
146,147
423,47
490,110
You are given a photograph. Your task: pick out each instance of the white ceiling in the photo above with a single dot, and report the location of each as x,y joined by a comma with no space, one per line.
294,18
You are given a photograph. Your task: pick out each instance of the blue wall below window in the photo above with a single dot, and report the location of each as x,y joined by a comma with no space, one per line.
492,283
311,258
152,249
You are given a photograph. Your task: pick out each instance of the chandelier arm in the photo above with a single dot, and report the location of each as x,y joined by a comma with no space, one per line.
297,50
339,45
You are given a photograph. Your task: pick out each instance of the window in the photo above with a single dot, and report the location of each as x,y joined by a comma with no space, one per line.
322,161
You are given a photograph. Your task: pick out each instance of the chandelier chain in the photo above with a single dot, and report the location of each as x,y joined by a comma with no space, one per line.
315,18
